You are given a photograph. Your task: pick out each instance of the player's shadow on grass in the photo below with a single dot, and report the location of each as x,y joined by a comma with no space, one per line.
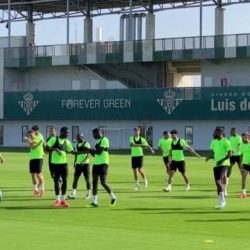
38,207
222,220
25,198
120,182
162,211
179,197
7,190
191,197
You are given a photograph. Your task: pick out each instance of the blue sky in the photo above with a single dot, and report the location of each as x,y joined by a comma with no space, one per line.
170,23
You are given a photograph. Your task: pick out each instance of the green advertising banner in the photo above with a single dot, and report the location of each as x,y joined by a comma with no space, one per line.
130,104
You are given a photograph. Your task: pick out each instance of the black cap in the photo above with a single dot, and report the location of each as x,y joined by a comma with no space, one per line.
174,132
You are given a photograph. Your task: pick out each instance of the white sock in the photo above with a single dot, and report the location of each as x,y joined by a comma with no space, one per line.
88,191
58,197
35,187
112,195
95,199
63,197
169,185
244,191
221,197
137,183
74,192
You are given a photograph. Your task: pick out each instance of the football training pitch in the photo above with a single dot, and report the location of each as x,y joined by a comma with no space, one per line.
144,219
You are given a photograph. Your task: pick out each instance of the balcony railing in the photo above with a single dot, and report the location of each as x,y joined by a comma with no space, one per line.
108,48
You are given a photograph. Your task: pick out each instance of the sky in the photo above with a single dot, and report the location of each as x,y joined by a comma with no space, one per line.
169,23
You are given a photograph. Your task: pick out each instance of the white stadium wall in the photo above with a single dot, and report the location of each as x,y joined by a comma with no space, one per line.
55,78
16,41
235,72
120,131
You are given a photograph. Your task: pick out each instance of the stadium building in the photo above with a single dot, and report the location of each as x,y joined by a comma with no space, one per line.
137,81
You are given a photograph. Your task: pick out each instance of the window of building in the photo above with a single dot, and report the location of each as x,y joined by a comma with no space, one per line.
1,135
147,133
189,134
103,129
76,84
95,84
75,132
25,130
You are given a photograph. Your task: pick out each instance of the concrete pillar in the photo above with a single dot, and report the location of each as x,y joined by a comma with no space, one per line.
139,27
219,21
127,38
150,26
219,27
88,30
133,32
30,28
30,34
122,27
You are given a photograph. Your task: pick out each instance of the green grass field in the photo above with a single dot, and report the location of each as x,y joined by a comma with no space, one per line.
147,219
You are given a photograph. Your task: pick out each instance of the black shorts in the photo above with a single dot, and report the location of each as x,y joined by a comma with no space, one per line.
137,161
101,169
166,159
81,169
59,170
219,172
246,167
180,165
235,159
36,166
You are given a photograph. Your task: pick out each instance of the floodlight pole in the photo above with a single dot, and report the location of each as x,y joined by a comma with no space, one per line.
201,21
67,35
130,20
9,25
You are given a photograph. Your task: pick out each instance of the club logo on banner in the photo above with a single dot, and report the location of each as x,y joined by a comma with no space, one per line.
170,102
28,104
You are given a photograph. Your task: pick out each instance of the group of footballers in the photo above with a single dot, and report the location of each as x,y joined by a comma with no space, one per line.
225,152
57,147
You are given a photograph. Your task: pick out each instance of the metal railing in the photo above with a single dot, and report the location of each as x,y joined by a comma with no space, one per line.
117,47
208,42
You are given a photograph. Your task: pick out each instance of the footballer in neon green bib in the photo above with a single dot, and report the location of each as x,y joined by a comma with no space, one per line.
60,146
81,166
245,170
137,144
164,144
221,151
36,142
178,160
235,141
100,166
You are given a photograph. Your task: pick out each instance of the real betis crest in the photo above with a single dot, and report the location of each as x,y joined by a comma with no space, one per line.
170,102
28,104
